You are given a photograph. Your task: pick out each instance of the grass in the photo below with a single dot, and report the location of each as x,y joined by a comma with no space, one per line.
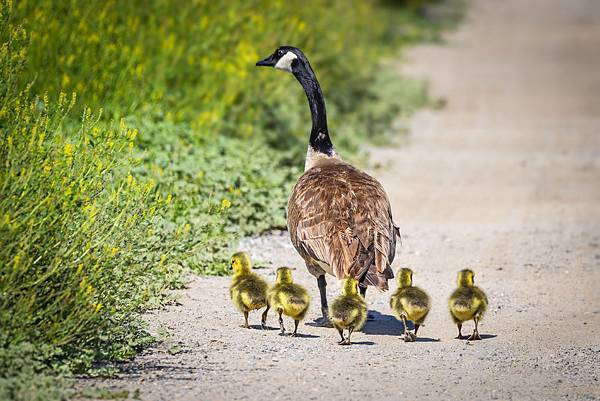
138,142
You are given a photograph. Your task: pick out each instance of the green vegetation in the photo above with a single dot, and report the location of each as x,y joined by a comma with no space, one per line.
138,141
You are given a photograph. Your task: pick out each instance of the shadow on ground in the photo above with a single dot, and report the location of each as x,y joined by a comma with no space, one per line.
384,325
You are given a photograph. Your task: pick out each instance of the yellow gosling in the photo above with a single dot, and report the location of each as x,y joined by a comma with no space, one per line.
467,302
289,299
409,303
248,290
348,311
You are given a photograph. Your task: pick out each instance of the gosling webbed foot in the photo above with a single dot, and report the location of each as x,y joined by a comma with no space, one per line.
345,342
460,337
474,336
410,337
245,326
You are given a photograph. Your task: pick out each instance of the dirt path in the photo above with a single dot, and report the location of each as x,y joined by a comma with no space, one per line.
505,179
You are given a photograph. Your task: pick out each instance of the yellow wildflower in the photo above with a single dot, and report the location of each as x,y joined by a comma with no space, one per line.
69,150
225,204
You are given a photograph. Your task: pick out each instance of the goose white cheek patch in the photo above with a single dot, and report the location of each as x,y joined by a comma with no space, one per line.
285,62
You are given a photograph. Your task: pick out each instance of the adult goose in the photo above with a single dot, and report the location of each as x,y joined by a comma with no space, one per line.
339,217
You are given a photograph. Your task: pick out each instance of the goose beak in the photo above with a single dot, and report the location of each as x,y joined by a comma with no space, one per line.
267,62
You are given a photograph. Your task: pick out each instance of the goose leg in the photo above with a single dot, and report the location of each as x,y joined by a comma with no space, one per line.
363,292
323,321
460,336
281,322
475,335
263,320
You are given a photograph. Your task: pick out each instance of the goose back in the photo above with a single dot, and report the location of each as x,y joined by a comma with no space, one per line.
340,219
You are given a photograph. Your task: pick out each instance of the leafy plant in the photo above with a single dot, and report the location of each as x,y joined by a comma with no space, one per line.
138,142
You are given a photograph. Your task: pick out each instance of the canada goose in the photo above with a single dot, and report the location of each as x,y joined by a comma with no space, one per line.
410,303
339,217
248,291
467,302
348,311
289,299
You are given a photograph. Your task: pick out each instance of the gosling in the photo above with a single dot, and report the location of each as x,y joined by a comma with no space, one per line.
409,303
289,299
467,302
248,290
348,311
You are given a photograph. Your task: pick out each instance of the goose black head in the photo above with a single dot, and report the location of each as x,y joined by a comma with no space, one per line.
286,58
291,59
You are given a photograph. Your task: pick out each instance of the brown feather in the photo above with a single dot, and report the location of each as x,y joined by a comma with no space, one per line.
340,217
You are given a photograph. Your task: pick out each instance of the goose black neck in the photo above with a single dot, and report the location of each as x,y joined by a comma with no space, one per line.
319,135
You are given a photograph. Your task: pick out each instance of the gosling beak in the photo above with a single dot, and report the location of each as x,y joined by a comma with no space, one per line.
267,62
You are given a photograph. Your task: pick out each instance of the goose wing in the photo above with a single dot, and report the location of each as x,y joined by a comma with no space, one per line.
341,217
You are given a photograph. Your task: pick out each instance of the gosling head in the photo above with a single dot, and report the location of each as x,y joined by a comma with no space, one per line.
350,286
286,58
466,278
405,277
240,263
284,275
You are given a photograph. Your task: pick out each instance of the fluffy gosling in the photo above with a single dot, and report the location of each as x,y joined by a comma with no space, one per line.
248,290
467,302
348,311
289,299
409,303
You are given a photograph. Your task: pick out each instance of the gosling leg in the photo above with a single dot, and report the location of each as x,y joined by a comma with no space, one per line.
347,341
416,329
281,322
475,335
341,342
295,333
263,320
460,336
408,337
245,325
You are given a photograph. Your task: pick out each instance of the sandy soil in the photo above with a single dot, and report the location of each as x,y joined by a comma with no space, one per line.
505,180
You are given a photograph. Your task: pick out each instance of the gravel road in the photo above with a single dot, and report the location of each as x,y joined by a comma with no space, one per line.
504,180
